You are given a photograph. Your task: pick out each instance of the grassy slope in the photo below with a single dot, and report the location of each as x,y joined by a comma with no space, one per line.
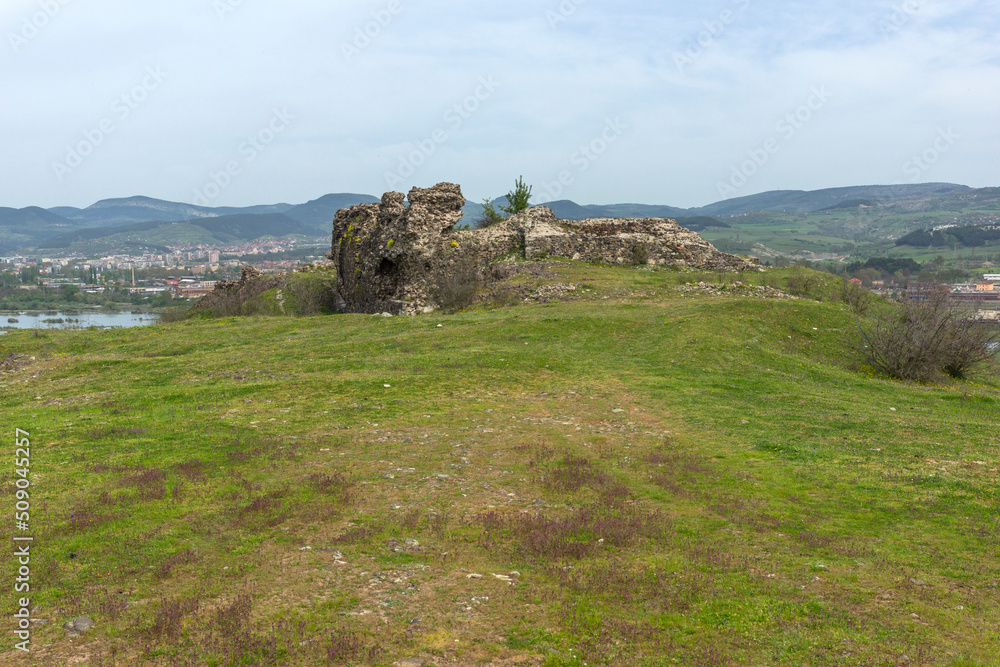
759,502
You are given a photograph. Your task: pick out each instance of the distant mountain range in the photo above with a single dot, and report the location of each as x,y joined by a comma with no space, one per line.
223,230
784,201
131,220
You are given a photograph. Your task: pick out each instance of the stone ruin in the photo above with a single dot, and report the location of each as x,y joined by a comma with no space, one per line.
387,255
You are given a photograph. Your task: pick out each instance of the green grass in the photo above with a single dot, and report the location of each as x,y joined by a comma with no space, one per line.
675,479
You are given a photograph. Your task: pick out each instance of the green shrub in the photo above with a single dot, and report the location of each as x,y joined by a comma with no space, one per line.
517,201
639,255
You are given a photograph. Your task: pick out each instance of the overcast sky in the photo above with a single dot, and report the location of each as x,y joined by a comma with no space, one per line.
240,102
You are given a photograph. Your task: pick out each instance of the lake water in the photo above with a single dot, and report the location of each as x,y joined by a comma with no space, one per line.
81,320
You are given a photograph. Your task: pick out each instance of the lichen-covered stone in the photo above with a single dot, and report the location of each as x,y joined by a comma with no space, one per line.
387,254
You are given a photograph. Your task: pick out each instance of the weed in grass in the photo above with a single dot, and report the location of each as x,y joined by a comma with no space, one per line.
439,524
194,469
114,432
170,617
661,589
112,604
574,473
263,512
745,512
332,485
185,557
232,618
87,519
347,647
584,532
357,534
149,484
410,519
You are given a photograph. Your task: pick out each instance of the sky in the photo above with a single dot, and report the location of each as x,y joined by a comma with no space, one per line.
243,102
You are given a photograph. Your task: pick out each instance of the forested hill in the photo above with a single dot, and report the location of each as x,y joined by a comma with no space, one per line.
969,236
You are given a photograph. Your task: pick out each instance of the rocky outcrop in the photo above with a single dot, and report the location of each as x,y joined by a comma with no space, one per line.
389,255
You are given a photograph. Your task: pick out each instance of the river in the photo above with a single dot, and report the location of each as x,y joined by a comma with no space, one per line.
74,320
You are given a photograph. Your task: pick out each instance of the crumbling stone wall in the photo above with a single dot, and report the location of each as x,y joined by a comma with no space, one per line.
388,254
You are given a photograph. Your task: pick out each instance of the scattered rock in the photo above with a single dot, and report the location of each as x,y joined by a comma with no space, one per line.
409,545
14,362
735,289
78,626
409,662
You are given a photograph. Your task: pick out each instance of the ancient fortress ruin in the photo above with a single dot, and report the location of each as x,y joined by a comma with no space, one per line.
387,254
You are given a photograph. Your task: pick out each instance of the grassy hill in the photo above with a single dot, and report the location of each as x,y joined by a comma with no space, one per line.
649,474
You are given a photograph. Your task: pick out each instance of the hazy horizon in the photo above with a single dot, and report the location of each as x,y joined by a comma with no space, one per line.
232,103
535,201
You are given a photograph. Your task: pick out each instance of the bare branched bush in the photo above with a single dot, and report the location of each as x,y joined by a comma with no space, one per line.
857,297
925,336
453,285
801,283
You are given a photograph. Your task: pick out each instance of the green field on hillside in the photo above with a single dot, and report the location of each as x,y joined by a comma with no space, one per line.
645,474
857,233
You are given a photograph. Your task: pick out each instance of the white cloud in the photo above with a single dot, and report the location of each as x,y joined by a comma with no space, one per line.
560,82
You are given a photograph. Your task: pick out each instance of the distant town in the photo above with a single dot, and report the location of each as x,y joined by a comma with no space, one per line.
186,272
